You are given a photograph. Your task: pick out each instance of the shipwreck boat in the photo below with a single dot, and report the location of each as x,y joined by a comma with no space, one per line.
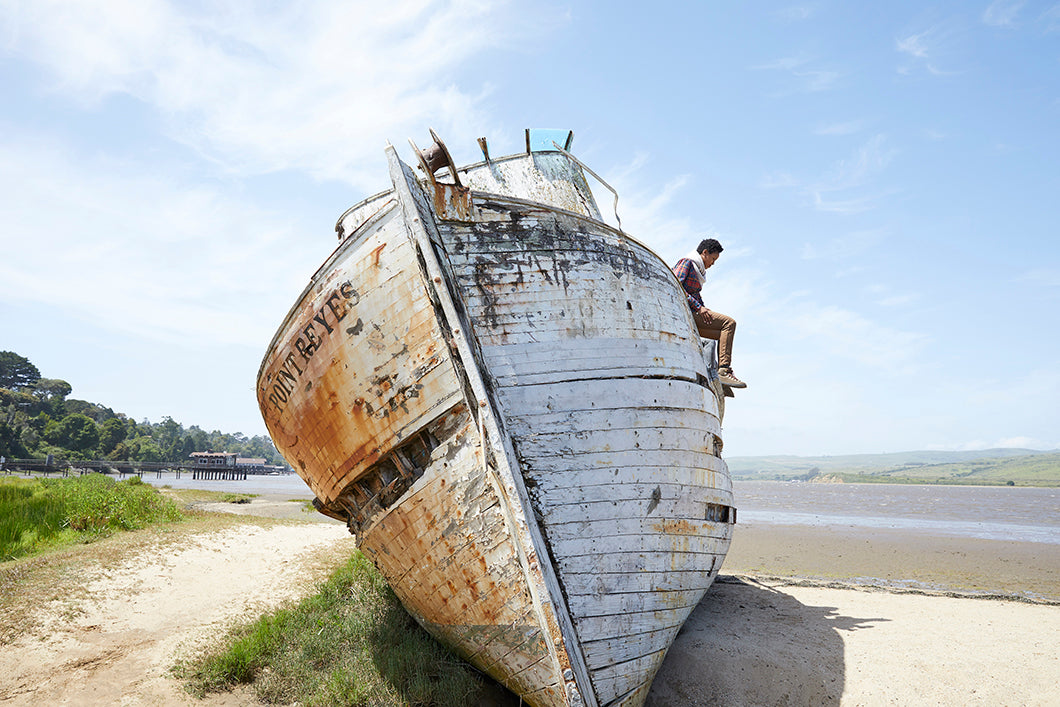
506,401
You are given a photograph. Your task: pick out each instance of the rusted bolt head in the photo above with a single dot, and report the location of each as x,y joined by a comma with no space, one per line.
437,280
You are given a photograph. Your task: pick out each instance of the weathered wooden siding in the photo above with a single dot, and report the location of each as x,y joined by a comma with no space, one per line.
589,347
421,219
360,367
360,362
522,393
447,552
544,177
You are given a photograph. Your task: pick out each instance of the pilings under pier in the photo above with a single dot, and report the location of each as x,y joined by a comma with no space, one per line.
219,474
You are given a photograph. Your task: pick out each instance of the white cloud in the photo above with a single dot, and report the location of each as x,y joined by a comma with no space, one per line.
648,213
915,45
831,193
843,248
899,300
789,63
846,128
855,205
841,189
777,180
927,48
796,13
1002,13
849,335
1051,18
866,161
810,79
144,254
1044,277
314,86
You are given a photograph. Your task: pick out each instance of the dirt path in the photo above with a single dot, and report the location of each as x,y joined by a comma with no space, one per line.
116,646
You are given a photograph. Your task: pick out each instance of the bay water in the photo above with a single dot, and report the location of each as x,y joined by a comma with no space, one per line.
992,512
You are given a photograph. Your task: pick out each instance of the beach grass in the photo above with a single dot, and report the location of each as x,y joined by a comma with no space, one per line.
37,514
351,643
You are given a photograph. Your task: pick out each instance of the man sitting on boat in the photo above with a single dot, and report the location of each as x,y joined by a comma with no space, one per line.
691,270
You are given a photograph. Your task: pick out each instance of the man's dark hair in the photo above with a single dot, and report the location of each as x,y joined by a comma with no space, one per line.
710,245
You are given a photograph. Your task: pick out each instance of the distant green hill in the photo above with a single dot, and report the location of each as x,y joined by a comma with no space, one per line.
1022,467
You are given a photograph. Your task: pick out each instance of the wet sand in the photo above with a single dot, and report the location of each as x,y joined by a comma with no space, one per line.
897,559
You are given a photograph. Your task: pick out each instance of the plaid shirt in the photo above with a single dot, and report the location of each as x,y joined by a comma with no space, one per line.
689,278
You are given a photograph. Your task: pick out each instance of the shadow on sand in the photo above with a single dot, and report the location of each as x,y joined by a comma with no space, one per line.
746,644
749,644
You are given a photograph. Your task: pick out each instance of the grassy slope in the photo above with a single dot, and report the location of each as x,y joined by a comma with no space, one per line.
1022,467
350,644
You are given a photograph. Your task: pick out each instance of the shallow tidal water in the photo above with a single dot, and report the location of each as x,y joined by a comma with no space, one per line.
989,512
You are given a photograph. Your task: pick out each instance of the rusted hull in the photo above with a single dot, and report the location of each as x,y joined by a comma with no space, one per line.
506,402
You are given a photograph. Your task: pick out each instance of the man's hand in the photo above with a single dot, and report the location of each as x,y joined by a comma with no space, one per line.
705,314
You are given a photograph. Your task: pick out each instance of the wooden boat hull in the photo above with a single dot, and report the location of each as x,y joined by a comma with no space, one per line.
506,402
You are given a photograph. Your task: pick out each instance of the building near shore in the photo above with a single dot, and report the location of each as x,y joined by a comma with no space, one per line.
210,461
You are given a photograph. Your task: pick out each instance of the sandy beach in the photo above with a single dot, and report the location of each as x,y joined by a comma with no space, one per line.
800,616
840,616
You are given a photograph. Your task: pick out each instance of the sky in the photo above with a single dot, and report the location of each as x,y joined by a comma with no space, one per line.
884,177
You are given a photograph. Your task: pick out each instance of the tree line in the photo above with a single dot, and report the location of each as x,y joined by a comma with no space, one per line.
37,419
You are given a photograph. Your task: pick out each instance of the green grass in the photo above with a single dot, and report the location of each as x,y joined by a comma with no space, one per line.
350,644
991,467
238,497
39,513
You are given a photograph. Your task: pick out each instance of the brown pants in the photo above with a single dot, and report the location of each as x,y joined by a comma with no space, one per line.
722,328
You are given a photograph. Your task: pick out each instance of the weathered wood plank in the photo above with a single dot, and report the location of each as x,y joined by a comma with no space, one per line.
576,354
489,337
634,698
523,665
513,296
593,423
629,490
570,422
546,315
612,651
590,605
471,244
713,541
586,395
645,561
617,527
642,473
601,583
618,626
652,442
616,680
560,464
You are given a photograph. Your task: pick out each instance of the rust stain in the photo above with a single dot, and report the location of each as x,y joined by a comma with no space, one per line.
676,527
337,389
452,202
376,252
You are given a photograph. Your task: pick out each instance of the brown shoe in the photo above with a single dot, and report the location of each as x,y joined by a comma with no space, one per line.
726,376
